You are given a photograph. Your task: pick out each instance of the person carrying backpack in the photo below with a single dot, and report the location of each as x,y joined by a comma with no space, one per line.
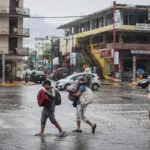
84,97
49,109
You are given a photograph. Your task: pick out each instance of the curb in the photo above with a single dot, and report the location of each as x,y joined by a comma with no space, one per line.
29,84
9,85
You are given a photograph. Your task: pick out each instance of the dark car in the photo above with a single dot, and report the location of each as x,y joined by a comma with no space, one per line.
144,83
61,73
39,77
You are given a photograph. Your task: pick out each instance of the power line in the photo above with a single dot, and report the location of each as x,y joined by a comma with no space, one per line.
56,17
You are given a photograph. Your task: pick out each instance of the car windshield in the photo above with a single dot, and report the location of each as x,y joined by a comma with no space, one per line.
73,76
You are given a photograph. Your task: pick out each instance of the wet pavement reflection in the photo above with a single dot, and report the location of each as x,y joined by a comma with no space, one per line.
121,114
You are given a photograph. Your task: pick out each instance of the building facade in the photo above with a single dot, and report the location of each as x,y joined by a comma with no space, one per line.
94,37
12,34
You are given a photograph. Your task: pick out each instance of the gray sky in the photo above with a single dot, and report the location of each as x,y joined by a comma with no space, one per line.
71,7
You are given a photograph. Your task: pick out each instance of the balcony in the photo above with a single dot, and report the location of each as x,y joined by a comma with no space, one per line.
20,51
19,32
11,11
14,32
4,31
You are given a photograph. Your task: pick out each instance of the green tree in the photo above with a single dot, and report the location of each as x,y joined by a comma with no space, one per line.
47,53
84,60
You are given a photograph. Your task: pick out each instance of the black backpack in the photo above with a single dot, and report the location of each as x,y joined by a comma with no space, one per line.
57,98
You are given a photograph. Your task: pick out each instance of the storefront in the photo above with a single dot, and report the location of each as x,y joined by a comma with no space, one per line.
142,61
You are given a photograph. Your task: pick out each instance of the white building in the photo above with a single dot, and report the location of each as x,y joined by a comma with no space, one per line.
12,34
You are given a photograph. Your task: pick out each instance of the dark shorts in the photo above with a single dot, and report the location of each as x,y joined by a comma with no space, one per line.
48,114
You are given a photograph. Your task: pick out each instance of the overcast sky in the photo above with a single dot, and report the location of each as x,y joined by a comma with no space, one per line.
71,7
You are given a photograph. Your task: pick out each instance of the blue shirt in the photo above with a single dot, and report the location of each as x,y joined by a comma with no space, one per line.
81,89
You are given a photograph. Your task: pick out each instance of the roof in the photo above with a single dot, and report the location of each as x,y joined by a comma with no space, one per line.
95,14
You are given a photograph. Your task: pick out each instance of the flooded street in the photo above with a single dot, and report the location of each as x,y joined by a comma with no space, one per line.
121,114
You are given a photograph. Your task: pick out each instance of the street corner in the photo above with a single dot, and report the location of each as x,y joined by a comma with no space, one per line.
29,84
115,85
133,84
10,85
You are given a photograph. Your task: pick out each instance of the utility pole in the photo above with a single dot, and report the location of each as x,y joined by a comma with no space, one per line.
114,39
3,67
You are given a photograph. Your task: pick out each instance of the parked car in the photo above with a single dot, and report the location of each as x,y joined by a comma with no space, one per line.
63,83
60,73
39,77
144,83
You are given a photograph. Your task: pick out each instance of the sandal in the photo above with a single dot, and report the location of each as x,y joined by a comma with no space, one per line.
78,131
94,128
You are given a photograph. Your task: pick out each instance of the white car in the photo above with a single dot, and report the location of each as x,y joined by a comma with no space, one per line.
63,83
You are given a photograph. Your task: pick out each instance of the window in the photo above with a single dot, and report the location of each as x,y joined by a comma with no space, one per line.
125,19
109,19
101,22
132,19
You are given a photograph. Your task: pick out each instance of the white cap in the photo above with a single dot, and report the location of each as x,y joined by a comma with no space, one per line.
87,70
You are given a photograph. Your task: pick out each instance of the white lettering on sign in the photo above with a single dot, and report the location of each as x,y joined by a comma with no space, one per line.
143,27
140,52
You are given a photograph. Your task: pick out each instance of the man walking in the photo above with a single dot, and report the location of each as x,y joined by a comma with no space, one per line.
48,111
81,109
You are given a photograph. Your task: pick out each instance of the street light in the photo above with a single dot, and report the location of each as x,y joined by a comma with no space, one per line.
3,67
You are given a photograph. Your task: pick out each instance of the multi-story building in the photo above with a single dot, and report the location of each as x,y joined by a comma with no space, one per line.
94,37
12,34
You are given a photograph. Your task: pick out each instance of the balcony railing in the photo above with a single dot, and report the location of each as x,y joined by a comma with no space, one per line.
15,11
15,31
4,31
20,32
21,51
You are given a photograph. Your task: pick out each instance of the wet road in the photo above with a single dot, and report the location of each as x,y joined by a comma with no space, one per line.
120,113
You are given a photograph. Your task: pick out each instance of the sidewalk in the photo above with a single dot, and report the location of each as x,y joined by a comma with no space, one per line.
16,84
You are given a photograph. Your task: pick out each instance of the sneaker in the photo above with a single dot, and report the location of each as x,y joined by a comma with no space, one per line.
94,128
39,134
62,134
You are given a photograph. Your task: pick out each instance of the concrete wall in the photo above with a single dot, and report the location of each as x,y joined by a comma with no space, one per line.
4,44
4,22
66,44
4,2
20,42
20,22
21,2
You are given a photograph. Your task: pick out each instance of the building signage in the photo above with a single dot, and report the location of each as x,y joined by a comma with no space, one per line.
99,46
149,12
140,52
117,19
116,58
72,55
143,27
105,53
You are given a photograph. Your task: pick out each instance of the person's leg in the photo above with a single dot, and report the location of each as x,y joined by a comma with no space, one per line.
93,126
53,121
78,121
43,123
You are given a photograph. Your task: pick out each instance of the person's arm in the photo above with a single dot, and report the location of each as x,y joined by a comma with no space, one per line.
149,114
78,94
80,91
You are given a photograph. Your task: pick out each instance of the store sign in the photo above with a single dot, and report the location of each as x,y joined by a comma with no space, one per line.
99,46
140,52
72,61
117,19
149,12
142,27
116,58
72,55
105,53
